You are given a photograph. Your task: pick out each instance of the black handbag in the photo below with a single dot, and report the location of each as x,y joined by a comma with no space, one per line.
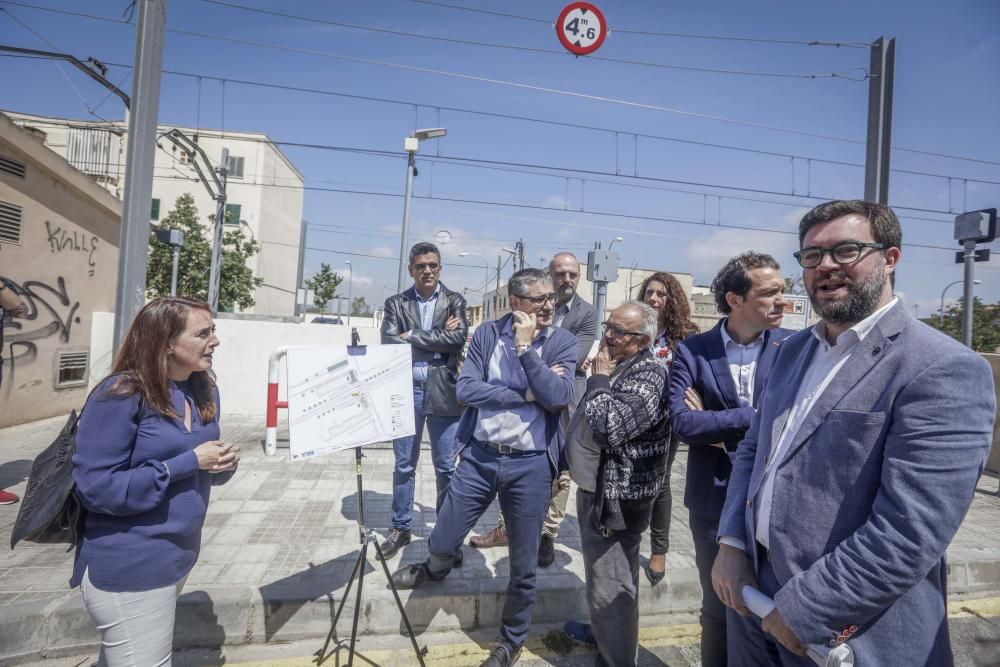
51,511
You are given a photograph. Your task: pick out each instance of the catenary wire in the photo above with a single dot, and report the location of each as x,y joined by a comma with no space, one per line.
839,44
529,49
721,119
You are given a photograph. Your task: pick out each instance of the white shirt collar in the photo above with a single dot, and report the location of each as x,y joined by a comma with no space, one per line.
859,330
727,339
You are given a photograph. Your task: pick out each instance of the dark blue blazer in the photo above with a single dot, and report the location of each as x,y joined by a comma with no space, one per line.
700,362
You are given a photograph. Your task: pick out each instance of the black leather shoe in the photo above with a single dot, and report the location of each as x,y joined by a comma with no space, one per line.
459,558
654,576
502,656
412,576
546,551
396,540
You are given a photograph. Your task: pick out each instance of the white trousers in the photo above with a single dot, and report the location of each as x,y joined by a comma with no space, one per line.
137,628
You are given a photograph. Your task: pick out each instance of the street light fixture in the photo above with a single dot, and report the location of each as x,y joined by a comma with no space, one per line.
350,281
957,282
411,144
617,239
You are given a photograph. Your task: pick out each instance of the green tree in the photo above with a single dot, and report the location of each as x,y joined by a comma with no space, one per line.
794,285
324,286
236,281
985,325
359,306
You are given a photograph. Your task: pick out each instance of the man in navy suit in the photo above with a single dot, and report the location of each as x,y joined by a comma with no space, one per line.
715,383
859,466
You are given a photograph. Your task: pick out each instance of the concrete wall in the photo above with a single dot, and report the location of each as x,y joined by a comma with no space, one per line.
64,267
242,357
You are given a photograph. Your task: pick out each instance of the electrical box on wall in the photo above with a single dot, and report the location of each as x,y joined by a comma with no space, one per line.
602,266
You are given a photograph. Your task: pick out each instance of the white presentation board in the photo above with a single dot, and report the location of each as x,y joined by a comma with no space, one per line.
339,399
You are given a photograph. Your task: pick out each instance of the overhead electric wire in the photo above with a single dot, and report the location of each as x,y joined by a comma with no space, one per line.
489,80
545,121
291,49
530,49
839,44
629,216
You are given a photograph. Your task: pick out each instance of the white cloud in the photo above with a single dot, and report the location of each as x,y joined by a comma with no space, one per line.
383,251
709,254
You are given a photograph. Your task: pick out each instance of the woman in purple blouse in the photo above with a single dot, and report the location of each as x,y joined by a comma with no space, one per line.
665,295
147,455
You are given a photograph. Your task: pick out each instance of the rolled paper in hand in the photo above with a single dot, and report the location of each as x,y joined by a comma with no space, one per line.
759,604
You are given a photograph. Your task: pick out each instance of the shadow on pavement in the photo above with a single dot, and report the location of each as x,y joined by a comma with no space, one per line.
198,625
282,599
13,473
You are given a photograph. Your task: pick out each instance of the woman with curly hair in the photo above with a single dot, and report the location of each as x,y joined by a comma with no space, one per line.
666,296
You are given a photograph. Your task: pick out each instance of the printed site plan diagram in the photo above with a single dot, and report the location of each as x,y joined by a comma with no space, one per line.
338,399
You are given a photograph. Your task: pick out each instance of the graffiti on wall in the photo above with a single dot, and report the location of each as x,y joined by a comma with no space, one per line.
51,312
61,241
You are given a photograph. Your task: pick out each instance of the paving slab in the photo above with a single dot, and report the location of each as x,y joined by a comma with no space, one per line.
281,541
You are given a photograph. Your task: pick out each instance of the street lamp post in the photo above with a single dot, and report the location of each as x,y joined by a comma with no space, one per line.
350,281
410,145
957,282
486,265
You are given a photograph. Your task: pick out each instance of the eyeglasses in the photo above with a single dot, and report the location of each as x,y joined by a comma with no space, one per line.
432,266
847,252
617,332
538,300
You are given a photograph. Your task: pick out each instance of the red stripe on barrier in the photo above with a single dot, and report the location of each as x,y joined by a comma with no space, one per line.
272,405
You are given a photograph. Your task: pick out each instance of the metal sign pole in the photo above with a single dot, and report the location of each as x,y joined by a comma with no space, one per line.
133,245
968,301
215,270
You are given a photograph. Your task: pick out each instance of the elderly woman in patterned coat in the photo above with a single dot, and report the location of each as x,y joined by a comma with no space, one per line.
617,446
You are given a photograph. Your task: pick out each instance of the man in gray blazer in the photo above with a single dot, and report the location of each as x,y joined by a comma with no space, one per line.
859,466
580,319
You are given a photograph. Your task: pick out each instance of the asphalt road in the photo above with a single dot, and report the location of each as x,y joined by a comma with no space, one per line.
974,623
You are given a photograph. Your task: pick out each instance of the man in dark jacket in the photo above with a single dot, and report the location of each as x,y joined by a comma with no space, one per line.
516,380
716,380
431,319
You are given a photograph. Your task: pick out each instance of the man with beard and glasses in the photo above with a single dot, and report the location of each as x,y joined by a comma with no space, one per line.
579,318
859,466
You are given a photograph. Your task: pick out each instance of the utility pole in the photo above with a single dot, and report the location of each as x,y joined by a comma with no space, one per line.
882,70
133,244
215,269
216,188
496,294
303,234
520,254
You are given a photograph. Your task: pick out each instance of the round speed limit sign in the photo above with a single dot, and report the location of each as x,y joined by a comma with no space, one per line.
581,28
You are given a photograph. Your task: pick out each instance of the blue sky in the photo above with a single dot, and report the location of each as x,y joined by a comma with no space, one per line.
642,172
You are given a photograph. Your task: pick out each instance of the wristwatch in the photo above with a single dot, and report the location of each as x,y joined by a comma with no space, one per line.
521,349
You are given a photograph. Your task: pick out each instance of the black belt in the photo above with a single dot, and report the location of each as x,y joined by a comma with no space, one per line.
505,449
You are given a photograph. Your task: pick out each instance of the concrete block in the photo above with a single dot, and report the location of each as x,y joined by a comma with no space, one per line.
983,574
70,625
22,628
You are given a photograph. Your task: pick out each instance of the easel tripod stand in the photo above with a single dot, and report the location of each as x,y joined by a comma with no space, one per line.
367,536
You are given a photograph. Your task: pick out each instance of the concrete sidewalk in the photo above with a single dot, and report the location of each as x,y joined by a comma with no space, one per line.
281,540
